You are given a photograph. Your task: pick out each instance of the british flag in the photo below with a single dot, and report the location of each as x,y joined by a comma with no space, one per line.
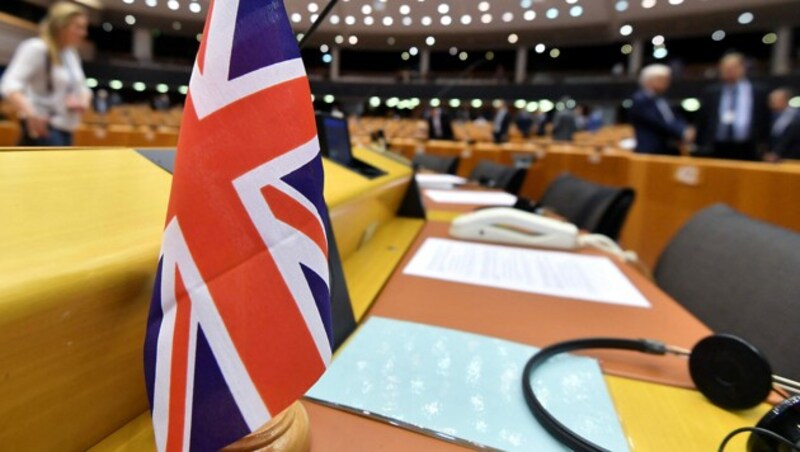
240,321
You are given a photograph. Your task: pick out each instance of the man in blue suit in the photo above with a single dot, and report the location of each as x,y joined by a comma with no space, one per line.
658,129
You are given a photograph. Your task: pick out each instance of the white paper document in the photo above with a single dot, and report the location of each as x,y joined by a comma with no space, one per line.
439,181
590,278
475,197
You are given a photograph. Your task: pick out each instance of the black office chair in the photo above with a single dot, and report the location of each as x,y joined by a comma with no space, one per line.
740,276
439,164
591,207
495,175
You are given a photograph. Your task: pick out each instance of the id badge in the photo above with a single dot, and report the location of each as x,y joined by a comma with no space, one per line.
729,117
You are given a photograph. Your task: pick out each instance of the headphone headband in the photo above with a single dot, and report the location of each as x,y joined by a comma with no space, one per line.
730,372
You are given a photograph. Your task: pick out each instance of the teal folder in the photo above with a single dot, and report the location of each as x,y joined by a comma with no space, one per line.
467,386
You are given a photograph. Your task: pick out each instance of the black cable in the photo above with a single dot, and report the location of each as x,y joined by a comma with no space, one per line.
318,22
761,431
556,429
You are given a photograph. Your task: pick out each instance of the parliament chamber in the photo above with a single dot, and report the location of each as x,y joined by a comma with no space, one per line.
459,225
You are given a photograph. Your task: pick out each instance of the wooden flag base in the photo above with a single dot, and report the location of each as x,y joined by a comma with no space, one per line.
286,432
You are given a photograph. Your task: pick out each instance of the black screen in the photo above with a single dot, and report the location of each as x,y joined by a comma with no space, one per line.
336,140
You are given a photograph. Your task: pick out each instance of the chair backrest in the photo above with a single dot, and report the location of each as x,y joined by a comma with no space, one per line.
495,175
592,207
445,165
740,276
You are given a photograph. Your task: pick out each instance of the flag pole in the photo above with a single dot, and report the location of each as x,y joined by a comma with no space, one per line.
289,431
318,22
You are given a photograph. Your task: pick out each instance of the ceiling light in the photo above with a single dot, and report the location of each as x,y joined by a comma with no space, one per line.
430,40
443,8
746,18
769,38
625,30
529,15
513,38
718,35
552,13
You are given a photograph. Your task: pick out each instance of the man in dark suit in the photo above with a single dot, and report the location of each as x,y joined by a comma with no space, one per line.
658,130
784,139
734,122
501,123
439,125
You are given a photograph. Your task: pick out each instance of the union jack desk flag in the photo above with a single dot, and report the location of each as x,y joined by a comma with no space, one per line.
240,320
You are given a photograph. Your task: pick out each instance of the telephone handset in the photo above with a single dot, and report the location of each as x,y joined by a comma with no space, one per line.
513,226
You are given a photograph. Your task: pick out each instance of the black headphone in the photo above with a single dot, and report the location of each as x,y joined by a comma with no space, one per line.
729,371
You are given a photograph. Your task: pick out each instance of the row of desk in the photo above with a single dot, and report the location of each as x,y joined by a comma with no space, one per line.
669,190
79,250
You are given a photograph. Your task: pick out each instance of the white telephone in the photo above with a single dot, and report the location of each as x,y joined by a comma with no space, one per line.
516,227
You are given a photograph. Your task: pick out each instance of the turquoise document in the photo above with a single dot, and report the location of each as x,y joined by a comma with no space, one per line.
467,386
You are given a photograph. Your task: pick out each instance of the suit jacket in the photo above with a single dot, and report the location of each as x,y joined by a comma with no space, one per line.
655,134
447,128
787,144
502,134
709,116
565,124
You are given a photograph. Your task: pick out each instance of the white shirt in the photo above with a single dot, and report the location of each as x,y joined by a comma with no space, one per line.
783,121
27,74
499,117
736,109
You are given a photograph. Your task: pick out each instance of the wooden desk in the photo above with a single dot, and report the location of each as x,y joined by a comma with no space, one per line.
80,239
655,417
79,256
669,190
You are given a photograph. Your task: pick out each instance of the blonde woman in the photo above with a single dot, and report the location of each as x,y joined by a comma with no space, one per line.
45,81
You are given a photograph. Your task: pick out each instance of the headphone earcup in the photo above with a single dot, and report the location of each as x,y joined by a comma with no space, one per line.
730,372
783,420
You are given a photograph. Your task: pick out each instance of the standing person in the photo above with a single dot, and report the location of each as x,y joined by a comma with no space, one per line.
784,139
524,122
439,125
734,121
45,82
501,123
658,130
565,122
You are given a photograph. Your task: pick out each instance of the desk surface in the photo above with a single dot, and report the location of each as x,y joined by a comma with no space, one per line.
139,197
538,320
655,417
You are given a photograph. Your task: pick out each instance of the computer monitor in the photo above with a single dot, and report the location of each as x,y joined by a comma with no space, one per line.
334,139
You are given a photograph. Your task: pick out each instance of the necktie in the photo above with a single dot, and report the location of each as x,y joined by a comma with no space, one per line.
733,100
